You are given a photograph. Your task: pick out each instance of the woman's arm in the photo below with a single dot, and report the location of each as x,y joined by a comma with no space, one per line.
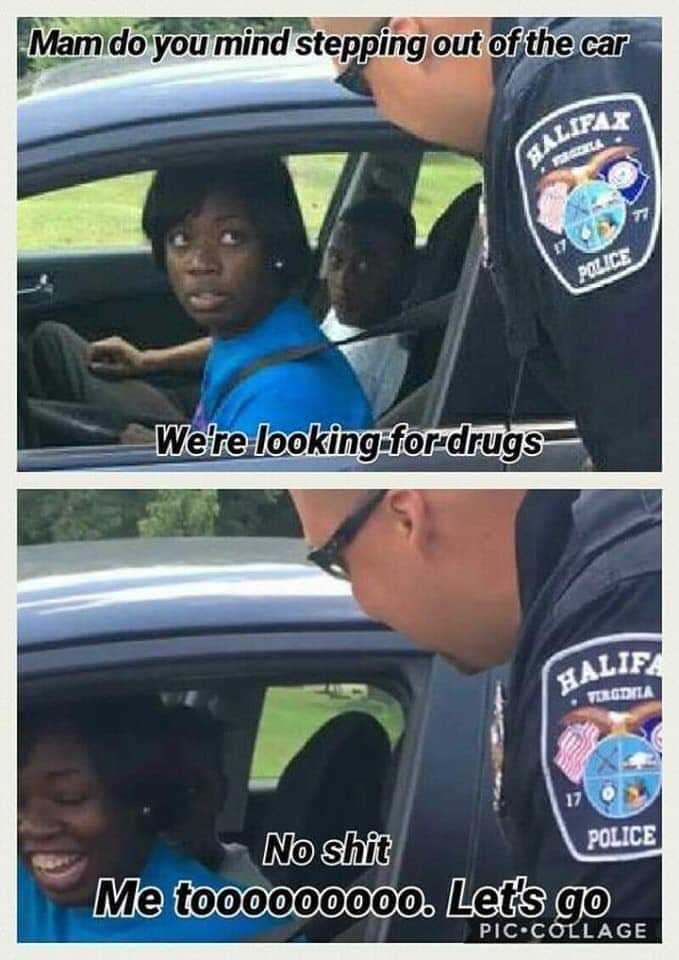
115,357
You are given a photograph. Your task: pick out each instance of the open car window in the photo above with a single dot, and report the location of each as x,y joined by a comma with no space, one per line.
102,214
107,213
84,263
443,176
291,715
324,763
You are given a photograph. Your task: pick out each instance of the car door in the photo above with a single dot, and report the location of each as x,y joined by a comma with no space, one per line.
84,261
86,288
437,770
442,805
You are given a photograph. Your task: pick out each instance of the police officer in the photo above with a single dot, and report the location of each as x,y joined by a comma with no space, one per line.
566,584
566,115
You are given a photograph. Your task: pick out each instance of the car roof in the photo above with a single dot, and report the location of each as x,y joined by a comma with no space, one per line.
66,558
143,94
75,592
95,69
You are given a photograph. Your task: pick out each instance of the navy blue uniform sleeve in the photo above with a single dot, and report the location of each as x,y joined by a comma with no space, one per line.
585,807
585,213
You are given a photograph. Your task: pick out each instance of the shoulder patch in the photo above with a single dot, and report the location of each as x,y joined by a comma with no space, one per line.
601,746
589,175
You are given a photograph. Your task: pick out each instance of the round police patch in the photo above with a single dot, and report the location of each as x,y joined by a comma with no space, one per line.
594,217
601,746
622,776
589,175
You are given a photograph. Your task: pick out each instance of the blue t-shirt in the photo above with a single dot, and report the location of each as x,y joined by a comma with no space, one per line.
288,396
40,920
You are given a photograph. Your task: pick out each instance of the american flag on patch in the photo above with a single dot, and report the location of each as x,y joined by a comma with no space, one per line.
573,749
552,206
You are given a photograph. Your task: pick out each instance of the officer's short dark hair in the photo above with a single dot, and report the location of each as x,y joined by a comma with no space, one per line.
384,214
265,186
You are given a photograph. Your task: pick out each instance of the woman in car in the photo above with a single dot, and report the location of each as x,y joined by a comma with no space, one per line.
93,798
231,239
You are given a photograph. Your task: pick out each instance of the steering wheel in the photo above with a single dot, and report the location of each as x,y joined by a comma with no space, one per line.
54,423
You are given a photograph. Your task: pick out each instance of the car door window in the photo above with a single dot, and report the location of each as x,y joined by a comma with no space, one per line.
292,714
442,177
315,177
104,213
107,213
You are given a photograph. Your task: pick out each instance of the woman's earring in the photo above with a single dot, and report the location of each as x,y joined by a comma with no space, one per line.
278,264
146,811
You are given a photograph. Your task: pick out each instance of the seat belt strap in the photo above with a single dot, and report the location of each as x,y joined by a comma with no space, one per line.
463,297
412,321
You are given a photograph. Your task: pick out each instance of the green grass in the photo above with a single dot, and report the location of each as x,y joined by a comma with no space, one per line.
107,213
292,714
442,177
315,179
99,214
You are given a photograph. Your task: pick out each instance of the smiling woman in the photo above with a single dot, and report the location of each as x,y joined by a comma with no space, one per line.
94,795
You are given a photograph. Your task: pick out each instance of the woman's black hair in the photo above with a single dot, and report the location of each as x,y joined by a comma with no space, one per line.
130,748
265,186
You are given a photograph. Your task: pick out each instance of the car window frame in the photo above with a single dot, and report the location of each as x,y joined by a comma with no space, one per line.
379,136
66,671
254,783
428,686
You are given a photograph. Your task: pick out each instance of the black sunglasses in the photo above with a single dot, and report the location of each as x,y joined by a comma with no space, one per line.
329,556
352,79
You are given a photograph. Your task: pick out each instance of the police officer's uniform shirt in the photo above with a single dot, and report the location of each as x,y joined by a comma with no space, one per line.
583,747
572,197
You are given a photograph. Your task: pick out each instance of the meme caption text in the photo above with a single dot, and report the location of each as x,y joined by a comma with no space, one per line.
177,440
358,48
513,899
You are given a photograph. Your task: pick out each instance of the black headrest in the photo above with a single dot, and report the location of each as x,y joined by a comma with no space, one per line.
332,785
446,247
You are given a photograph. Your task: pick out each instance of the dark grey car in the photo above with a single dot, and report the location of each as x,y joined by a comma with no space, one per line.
112,126
242,626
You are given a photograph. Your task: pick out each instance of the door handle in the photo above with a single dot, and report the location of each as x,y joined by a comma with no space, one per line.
43,285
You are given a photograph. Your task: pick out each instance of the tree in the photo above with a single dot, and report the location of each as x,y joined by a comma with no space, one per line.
264,513
107,27
220,24
180,513
45,516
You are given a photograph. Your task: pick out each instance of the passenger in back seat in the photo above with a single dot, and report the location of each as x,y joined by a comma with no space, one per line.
195,740
370,270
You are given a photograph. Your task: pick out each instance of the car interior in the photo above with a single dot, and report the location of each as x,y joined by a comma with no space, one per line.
335,773
320,743
104,291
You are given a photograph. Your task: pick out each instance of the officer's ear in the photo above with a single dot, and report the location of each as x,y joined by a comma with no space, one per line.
408,26
410,515
414,27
